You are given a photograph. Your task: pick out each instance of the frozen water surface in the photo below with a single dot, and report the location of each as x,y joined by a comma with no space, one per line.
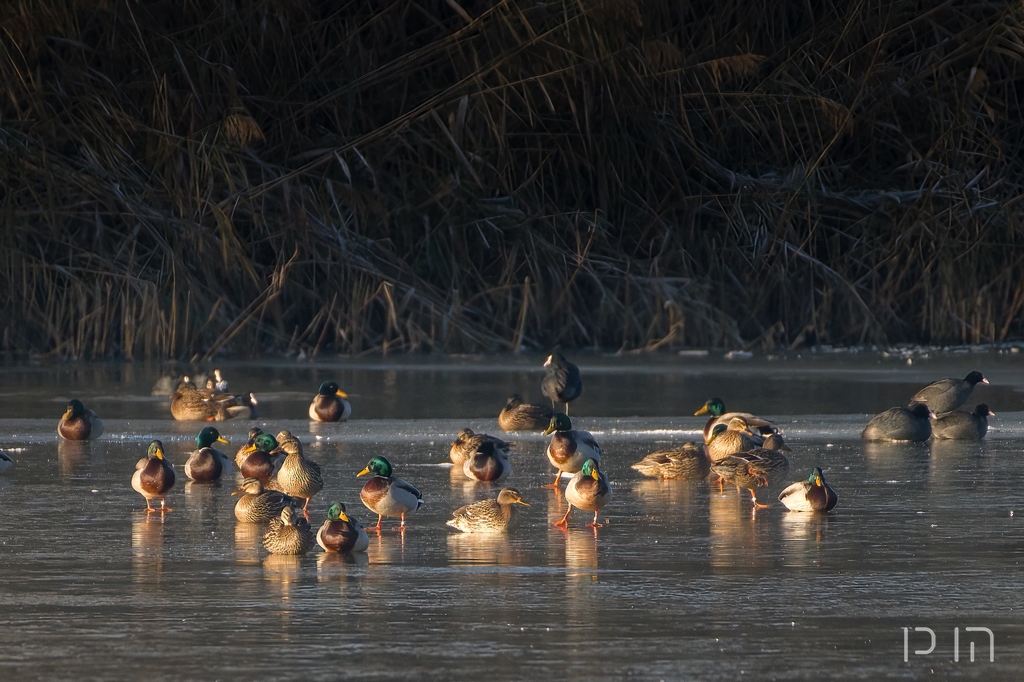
684,581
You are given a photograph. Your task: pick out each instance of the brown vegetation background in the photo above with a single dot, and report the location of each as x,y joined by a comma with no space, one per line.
180,178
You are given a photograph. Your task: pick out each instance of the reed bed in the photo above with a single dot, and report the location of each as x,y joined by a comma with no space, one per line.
183,179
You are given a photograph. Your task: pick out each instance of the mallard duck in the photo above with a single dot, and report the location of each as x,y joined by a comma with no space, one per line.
945,395
963,425
727,439
340,533
191,403
814,494
330,404
562,382
78,423
900,423
744,470
244,451
207,463
688,462
716,408
569,448
587,490
753,469
298,476
285,439
257,504
467,442
520,416
259,462
488,464
489,516
5,462
289,534
154,476
388,495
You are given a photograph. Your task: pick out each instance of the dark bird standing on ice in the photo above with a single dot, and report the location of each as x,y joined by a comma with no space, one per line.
945,395
561,380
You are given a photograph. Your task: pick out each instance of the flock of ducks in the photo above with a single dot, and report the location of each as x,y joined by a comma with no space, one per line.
738,448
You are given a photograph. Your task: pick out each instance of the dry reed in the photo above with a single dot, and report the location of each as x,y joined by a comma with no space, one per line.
181,179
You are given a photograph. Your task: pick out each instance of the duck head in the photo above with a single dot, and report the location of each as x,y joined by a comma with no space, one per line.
336,512
559,422
511,496
378,466
264,442
156,450
208,436
331,388
75,408
715,407
591,469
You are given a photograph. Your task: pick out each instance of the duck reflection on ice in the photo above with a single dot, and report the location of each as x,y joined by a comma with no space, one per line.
282,571
147,547
802,533
480,549
386,548
738,532
248,542
74,456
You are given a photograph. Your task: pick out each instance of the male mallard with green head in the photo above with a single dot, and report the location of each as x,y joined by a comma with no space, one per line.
520,416
569,448
341,533
814,494
79,423
257,504
154,477
687,462
716,408
259,462
587,490
388,495
298,476
330,404
289,534
489,516
206,463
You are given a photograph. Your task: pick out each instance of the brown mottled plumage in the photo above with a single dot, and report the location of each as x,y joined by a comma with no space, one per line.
298,476
687,462
467,443
289,534
520,416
